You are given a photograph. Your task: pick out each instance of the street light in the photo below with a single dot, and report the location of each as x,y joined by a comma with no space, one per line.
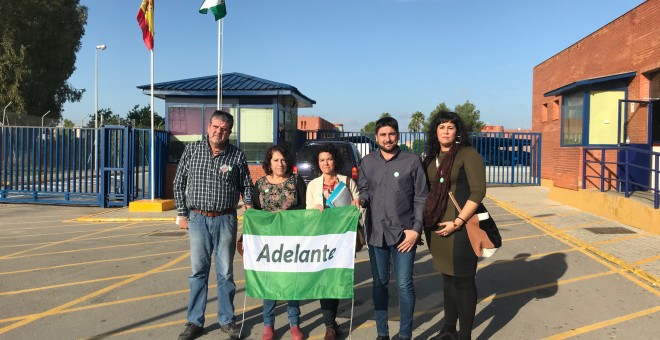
42,118
5,112
96,101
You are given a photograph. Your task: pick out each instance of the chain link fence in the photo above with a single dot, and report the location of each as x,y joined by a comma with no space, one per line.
17,119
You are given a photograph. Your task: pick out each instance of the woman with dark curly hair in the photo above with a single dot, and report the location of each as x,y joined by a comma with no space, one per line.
328,160
280,189
452,165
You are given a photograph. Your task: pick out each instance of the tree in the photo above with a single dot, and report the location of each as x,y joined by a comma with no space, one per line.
38,44
68,124
106,117
470,116
441,107
371,126
141,117
467,111
417,122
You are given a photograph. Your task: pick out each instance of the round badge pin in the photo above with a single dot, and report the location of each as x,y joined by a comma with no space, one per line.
267,190
396,174
442,179
229,168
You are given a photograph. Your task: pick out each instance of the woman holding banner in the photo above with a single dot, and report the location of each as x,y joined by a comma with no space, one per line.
319,189
280,189
452,166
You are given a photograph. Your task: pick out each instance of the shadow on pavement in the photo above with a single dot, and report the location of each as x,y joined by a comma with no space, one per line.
502,278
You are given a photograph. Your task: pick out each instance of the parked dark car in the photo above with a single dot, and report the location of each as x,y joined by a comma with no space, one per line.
306,168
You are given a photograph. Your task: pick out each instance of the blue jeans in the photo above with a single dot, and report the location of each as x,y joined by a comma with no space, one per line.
206,235
292,309
403,270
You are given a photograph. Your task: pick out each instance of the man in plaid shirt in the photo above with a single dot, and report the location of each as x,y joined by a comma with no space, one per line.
209,179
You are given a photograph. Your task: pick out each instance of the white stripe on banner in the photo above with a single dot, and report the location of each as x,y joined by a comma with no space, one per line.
298,253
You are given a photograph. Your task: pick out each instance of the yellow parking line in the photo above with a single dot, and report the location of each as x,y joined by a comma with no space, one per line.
56,310
523,237
60,242
604,324
90,262
591,251
90,249
509,224
87,239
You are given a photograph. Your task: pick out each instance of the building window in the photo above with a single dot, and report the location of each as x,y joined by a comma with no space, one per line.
592,118
603,117
188,123
555,110
544,113
256,132
572,119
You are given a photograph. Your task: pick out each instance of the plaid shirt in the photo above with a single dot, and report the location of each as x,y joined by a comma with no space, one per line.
210,183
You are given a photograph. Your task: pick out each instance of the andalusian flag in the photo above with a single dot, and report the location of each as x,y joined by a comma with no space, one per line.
145,19
300,254
217,7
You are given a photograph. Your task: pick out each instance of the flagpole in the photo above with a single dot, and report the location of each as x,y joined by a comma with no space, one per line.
219,96
153,134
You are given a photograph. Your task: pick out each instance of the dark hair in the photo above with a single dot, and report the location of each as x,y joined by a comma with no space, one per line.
223,116
432,144
269,156
331,149
387,121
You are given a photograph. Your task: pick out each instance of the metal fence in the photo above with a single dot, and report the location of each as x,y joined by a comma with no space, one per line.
635,170
105,167
510,158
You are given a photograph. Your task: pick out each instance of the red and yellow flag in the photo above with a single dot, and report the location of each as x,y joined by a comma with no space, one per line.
145,19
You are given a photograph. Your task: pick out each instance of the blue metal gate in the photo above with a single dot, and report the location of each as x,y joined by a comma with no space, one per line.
511,158
61,166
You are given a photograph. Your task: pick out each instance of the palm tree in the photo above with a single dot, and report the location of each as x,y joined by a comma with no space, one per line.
417,122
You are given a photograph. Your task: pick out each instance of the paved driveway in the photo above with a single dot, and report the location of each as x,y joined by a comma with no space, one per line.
63,279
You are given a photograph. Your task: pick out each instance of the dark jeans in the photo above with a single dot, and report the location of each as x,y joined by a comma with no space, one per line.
403,269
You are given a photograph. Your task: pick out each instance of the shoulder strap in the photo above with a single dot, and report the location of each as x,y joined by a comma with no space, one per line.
453,199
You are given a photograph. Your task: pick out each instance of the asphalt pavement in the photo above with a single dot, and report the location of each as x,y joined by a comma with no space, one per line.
92,273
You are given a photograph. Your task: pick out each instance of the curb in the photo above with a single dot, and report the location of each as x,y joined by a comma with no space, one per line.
641,274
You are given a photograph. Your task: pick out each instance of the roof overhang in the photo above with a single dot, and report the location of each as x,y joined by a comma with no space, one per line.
301,99
588,82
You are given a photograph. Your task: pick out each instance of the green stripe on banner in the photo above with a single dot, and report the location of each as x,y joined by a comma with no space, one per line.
310,222
326,284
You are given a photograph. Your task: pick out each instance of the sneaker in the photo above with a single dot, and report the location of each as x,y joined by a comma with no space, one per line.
231,329
191,332
296,334
269,333
383,337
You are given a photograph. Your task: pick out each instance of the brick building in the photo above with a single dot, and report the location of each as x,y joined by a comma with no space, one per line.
602,91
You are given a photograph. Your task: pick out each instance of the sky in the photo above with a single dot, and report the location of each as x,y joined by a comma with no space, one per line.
355,58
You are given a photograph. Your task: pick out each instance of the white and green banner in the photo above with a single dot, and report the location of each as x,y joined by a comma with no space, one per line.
299,254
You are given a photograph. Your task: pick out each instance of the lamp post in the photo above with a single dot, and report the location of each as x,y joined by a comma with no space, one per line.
96,103
4,112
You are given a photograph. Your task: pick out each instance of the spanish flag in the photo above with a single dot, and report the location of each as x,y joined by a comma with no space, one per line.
145,19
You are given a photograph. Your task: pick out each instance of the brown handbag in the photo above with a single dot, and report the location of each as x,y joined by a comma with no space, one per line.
481,241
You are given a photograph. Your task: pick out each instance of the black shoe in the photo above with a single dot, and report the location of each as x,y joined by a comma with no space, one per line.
231,329
445,335
383,337
191,332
